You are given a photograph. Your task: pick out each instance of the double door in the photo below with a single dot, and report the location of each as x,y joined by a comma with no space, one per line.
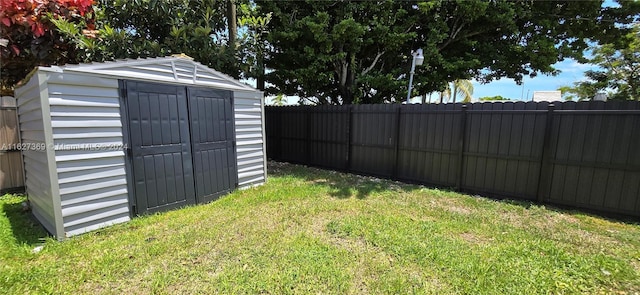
181,144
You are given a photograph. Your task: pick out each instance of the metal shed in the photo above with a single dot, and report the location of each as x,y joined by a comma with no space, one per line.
107,141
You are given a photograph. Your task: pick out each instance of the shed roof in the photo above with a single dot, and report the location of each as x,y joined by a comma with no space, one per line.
173,69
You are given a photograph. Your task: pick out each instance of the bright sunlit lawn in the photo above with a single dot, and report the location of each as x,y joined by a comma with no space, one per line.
316,231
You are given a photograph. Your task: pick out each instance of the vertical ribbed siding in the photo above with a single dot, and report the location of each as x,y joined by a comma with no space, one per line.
38,183
78,190
249,138
92,181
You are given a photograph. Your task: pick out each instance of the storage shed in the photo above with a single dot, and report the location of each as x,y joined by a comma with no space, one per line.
107,141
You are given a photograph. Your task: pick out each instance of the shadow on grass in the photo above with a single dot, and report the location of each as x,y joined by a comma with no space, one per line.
341,185
347,185
568,210
24,227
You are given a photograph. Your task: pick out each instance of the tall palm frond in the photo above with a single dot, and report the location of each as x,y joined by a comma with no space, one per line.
464,88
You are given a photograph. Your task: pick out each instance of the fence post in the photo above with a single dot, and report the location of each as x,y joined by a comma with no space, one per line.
463,131
349,127
396,149
279,113
307,112
545,162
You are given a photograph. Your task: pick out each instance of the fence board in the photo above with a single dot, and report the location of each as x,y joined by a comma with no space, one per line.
582,154
11,171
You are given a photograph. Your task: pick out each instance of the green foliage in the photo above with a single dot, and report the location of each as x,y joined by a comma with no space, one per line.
253,43
28,37
278,100
464,88
493,98
581,90
336,51
359,52
151,28
134,29
620,70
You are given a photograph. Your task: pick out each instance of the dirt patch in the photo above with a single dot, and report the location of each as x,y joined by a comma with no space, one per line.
322,181
459,210
590,241
564,218
474,239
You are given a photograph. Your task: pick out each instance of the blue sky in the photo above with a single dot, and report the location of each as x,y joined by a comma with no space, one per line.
571,71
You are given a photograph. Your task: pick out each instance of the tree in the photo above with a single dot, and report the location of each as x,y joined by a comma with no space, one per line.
580,91
150,28
620,69
464,88
445,94
254,43
278,100
618,74
232,26
359,52
29,37
334,51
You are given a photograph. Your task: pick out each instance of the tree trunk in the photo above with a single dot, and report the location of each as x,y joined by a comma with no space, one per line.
232,24
455,91
260,79
347,80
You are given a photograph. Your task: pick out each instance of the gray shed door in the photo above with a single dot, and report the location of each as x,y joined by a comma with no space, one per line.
212,141
165,152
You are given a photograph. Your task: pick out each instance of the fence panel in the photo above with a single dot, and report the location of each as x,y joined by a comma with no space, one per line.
294,129
328,143
582,154
504,150
428,145
373,139
11,171
595,160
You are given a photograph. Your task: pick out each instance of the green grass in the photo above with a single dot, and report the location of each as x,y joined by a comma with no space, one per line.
316,231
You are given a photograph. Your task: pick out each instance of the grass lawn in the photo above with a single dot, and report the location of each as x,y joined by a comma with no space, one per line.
316,231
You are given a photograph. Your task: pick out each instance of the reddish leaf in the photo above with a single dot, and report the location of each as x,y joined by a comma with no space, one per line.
38,29
15,49
6,21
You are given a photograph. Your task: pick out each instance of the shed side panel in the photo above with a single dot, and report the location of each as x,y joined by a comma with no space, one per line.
249,138
87,134
37,182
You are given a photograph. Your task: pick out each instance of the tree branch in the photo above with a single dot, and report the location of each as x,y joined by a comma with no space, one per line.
373,64
445,44
343,74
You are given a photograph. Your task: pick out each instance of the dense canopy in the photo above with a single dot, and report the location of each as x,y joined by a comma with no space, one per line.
338,52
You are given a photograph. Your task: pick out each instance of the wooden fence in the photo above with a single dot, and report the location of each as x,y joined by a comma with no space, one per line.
585,155
11,170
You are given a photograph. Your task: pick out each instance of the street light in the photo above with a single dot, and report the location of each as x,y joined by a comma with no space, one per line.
418,59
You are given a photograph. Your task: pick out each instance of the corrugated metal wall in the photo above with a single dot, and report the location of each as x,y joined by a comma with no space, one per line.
580,154
250,144
79,182
248,104
32,131
87,135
